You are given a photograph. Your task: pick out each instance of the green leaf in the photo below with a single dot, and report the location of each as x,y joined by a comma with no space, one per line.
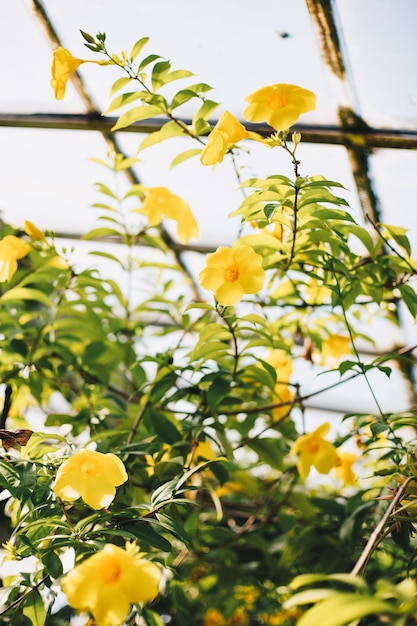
52,563
164,427
398,233
342,608
145,532
122,100
137,114
101,188
410,298
147,60
183,156
205,110
25,293
268,450
97,233
107,255
138,47
168,130
316,196
151,618
363,235
120,83
34,608
218,389
162,76
184,95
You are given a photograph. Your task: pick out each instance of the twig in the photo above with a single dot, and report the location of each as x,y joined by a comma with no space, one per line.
378,529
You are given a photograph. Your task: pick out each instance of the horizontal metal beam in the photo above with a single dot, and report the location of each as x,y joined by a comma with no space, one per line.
323,134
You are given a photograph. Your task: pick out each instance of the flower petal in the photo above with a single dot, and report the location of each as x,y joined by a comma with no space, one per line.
229,293
325,458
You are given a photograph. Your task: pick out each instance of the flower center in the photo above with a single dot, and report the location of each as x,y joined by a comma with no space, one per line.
278,101
111,573
89,468
231,274
313,446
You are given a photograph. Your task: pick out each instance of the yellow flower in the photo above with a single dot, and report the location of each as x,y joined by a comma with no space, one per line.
343,469
160,203
225,134
11,249
280,105
282,362
239,618
314,450
58,262
33,231
214,617
93,476
333,348
109,582
232,272
63,64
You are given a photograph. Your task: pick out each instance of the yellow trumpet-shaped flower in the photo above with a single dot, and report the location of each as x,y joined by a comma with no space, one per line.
334,348
232,272
280,105
33,231
11,249
314,451
93,476
109,582
343,469
160,203
225,134
282,362
63,64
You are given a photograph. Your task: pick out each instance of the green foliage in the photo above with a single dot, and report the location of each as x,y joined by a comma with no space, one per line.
203,403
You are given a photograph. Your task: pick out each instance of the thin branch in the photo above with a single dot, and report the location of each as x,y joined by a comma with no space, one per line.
378,529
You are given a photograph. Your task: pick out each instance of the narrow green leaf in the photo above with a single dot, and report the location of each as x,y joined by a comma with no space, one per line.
107,255
183,156
398,233
137,114
205,110
25,293
168,130
409,297
192,91
147,60
105,190
119,84
122,100
320,195
96,233
342,608
138,47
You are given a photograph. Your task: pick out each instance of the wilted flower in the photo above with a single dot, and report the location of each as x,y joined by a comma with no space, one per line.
225,134
11,249
91,475
232,272
63,64
160,203
314,450
280,105
343,469
109,582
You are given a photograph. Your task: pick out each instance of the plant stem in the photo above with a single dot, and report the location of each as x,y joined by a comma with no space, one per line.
378,529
